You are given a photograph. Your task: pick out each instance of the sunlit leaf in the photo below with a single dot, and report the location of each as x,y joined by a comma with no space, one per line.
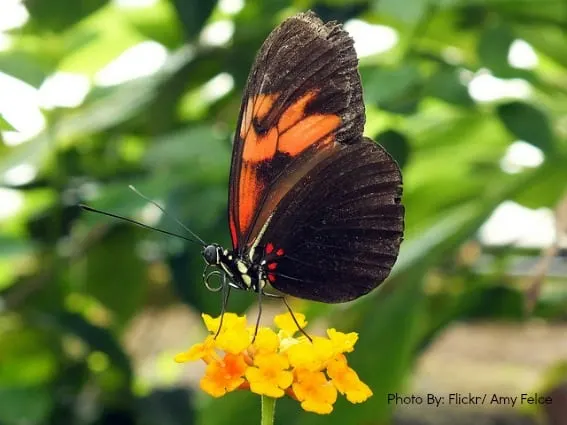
5,125
22,66
410,11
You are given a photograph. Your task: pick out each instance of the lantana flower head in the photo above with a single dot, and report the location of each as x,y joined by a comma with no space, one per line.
277,363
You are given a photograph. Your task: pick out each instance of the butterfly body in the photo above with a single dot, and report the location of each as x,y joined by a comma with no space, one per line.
241,272
314,207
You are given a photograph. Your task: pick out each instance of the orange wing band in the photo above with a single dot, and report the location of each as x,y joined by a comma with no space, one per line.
293,134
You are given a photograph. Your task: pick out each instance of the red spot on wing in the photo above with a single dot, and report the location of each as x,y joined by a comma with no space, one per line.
272,266
271,277
280,252
269,248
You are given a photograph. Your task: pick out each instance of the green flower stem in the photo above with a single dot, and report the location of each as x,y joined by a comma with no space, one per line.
268,410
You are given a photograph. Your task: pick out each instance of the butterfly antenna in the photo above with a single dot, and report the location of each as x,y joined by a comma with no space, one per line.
140,194
129,220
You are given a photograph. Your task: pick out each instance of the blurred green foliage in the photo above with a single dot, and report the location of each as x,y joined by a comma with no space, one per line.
71,283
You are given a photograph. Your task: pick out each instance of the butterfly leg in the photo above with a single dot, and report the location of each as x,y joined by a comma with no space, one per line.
281,297
225,294
260,293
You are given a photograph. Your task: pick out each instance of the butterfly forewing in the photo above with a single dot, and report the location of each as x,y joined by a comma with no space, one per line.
302,100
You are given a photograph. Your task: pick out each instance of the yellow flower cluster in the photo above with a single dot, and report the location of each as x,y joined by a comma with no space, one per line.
277,363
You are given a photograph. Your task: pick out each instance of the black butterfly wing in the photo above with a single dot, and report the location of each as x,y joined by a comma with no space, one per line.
336,234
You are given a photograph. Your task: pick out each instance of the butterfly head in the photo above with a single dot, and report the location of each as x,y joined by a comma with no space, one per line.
212,254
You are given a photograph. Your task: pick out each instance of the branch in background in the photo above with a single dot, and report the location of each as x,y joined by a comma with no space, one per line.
542,267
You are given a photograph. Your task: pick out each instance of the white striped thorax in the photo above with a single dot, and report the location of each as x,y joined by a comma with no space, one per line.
239,271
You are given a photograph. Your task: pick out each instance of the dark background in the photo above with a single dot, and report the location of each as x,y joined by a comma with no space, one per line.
93,310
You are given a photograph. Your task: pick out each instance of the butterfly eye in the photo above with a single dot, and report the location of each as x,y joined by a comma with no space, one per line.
210,254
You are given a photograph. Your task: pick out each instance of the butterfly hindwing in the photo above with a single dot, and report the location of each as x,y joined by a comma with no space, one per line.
302,102
336,235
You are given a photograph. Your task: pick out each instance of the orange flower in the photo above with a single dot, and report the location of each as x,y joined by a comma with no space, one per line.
269,376
315,393
224,376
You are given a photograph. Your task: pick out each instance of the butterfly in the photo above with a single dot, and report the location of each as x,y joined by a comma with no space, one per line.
314,207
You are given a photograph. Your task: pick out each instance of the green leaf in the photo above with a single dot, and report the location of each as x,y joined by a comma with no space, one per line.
194,14
14,247
547,190
98,339
199,145
24,405
5,125
166,407
58,15
157,22
393,89
27,358
527,123
493,47
23,66
397,145
494,302
445,84
408,11
121,284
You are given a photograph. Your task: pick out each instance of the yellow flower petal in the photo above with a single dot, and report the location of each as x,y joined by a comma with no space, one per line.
201,350
323,349
315,393
346,380
224,376
235,340
342,343
309,355
266,341
230,321
269,376
287,325
304,356
315,407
